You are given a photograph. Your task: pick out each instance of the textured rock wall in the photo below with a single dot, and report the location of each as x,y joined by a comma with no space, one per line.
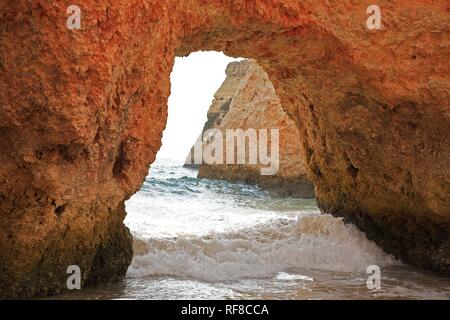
82,113
247,100
235,74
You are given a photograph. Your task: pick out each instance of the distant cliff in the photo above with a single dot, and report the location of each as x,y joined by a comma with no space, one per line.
236,73
247,100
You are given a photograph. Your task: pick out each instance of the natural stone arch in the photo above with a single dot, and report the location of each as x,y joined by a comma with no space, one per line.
82,113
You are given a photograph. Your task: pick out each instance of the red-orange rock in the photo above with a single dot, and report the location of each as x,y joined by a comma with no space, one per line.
82,112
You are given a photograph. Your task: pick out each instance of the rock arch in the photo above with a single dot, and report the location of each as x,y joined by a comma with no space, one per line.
82,113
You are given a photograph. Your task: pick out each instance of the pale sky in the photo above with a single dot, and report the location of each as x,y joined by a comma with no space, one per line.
194,80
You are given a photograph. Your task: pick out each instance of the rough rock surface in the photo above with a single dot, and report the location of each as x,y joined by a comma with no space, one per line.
247,100
235,74
82,113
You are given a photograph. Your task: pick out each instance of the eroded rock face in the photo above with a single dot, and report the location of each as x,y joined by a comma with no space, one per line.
235,75
247,101
82,113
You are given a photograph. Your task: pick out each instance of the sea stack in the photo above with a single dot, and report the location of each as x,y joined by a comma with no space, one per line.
247,100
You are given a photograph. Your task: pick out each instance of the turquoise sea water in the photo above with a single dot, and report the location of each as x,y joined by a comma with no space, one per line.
209,239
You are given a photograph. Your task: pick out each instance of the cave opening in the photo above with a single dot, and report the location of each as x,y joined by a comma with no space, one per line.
211,92
219,229
200,223
225,109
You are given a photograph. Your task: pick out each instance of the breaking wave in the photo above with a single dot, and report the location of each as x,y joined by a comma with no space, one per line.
308,241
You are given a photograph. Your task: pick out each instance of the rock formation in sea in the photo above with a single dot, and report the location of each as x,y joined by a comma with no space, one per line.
247,101
235,73
82,112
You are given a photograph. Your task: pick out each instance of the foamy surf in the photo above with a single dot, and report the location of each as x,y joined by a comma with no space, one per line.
310,241
210,239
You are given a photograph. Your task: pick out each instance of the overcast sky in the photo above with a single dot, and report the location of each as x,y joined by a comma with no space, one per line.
194,79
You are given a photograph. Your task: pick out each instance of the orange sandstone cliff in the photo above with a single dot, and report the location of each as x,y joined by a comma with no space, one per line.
247,101
82,114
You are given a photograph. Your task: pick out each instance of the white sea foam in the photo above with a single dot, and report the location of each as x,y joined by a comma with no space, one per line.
309,241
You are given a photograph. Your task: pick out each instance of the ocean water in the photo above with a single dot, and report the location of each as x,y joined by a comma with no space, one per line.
210,239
